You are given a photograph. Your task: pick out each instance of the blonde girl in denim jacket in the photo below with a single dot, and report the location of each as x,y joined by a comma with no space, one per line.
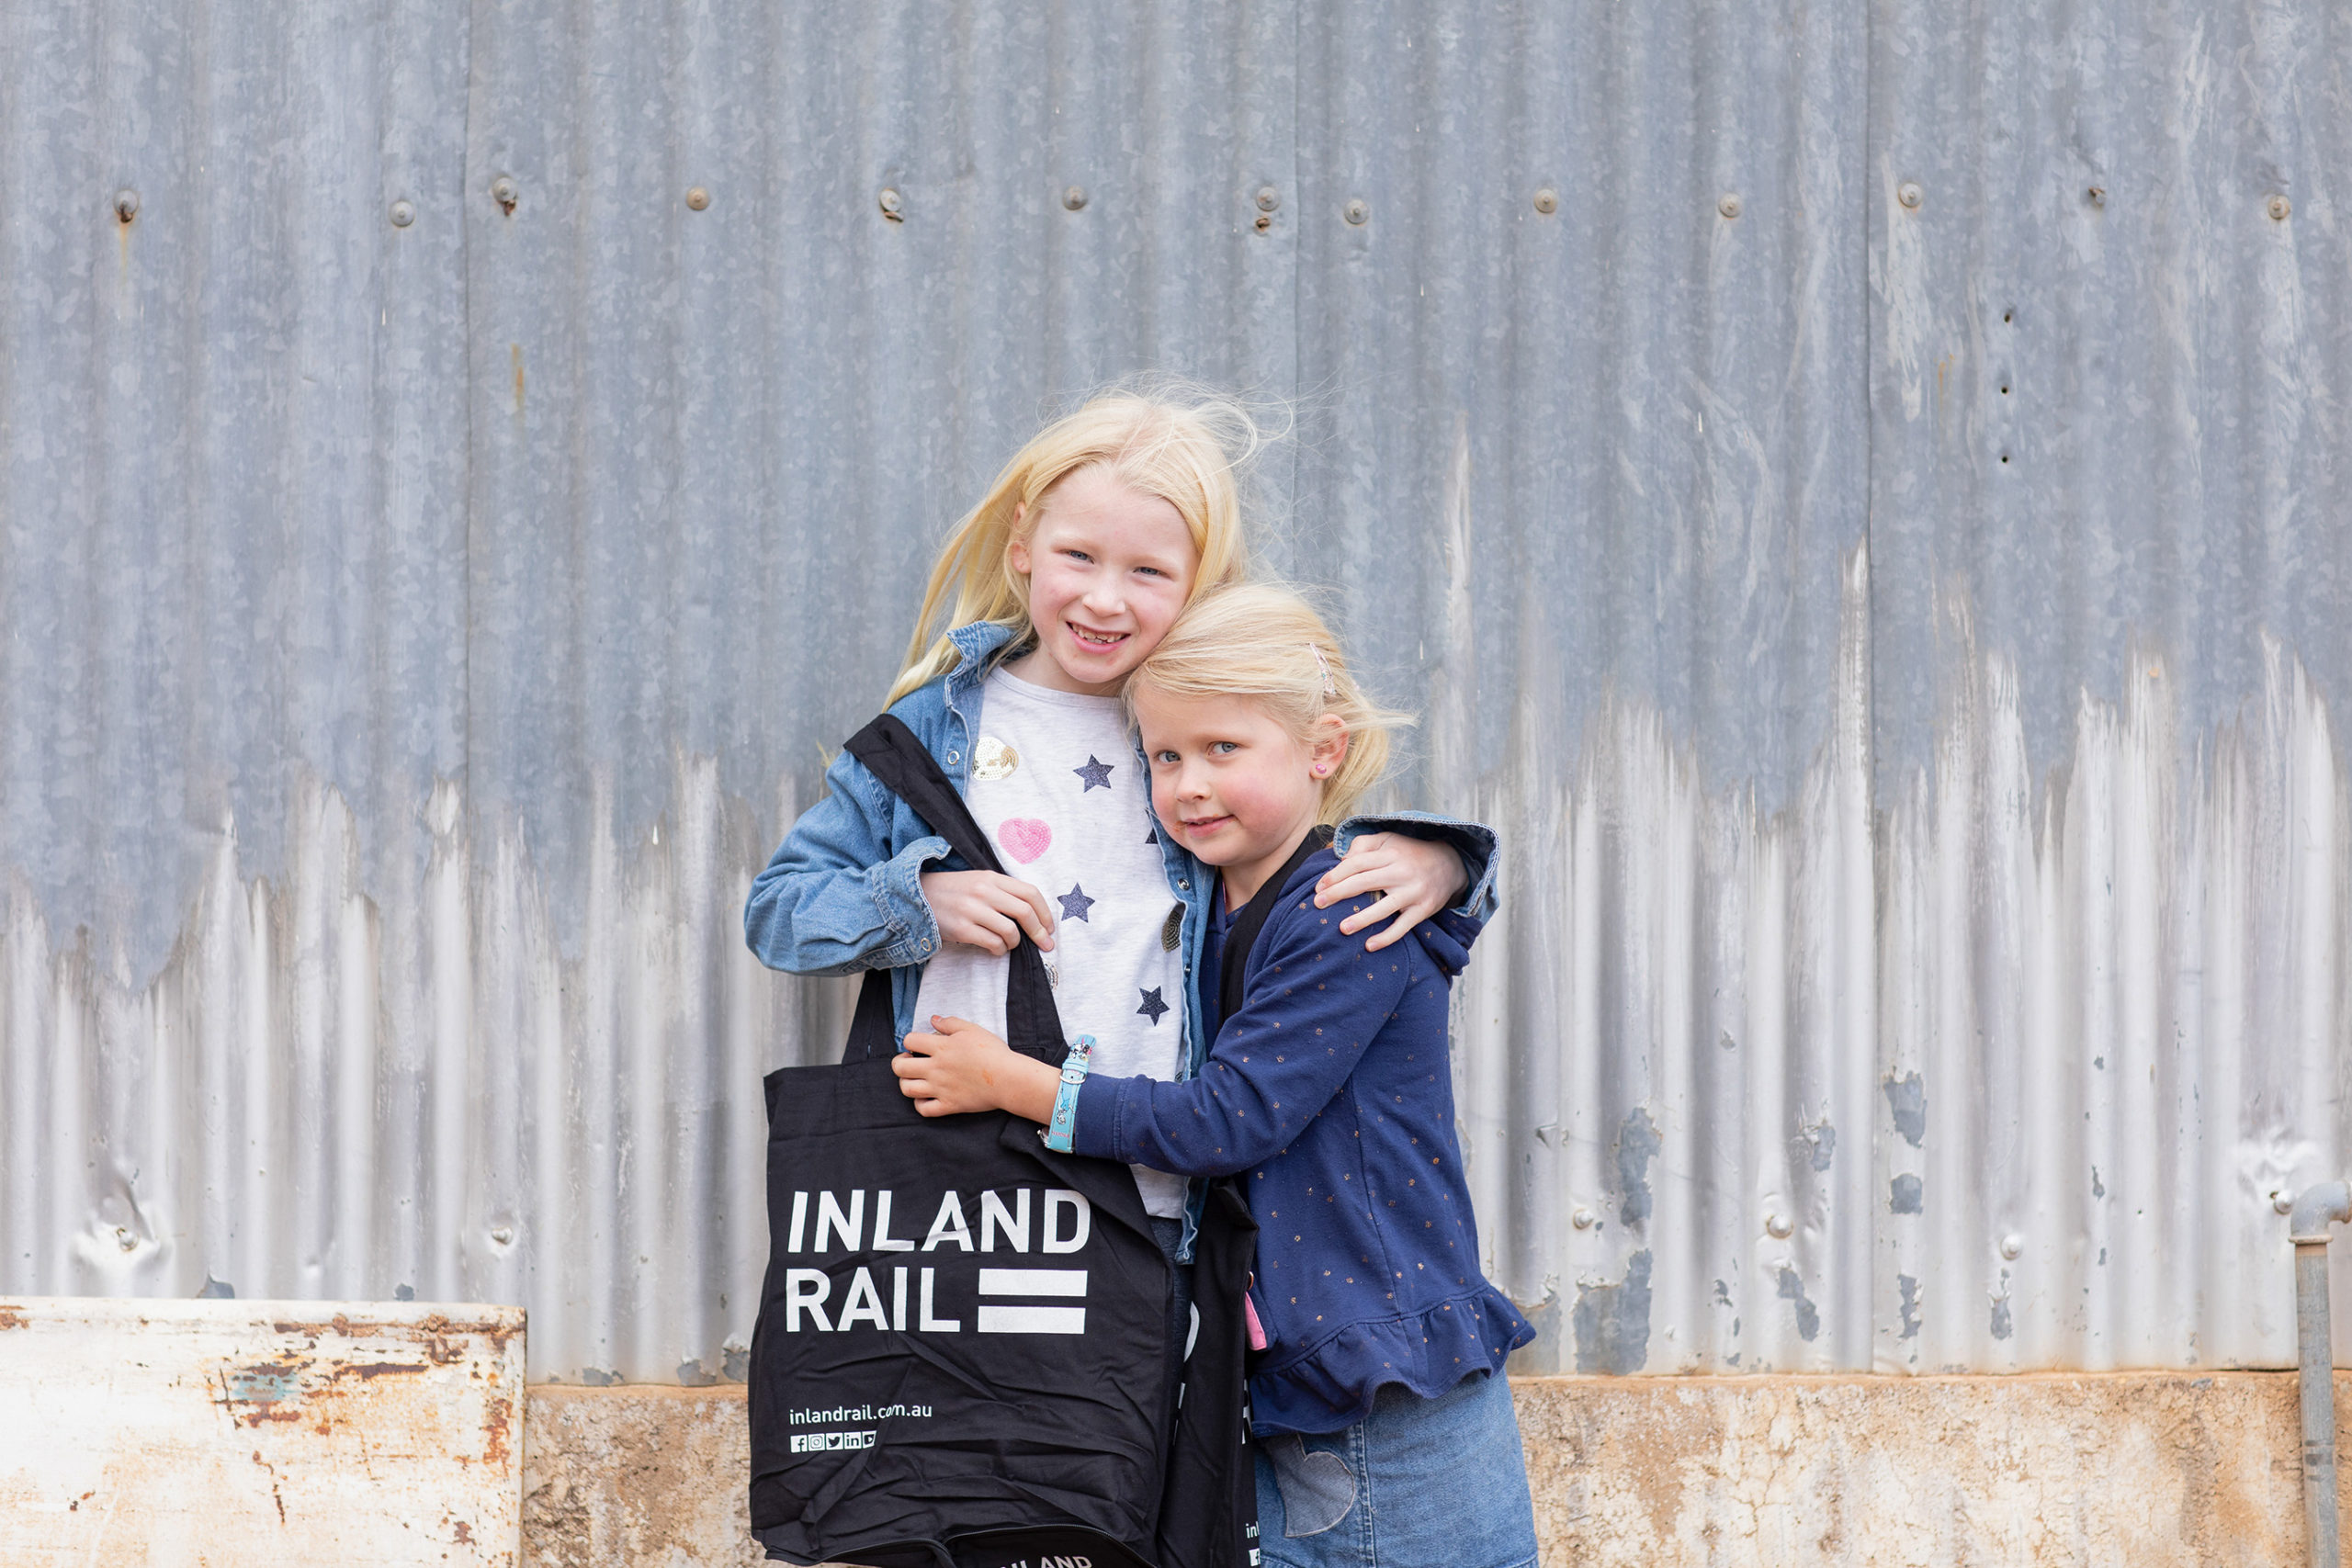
1051,591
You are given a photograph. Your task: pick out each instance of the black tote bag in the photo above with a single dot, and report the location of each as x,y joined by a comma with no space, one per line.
959,1353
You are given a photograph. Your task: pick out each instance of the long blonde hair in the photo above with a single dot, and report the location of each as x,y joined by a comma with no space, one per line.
1179,443
1262,643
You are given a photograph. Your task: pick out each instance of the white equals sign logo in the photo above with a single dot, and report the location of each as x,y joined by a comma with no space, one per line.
996,1319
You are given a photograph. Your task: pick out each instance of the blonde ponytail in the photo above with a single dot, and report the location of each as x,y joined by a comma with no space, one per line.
1263,643
1164,438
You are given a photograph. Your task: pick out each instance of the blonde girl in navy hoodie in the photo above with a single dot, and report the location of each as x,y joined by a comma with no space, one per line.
1389,1433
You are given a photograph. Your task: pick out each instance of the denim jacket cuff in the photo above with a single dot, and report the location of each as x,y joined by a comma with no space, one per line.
897,898
1476,842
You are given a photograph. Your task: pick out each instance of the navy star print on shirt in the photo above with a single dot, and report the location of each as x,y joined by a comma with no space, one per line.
1097,774
1075,903
1152,1006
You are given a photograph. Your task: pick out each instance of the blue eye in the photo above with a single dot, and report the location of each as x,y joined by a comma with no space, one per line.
1222,747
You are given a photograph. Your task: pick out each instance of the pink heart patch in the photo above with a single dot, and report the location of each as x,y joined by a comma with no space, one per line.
1024,838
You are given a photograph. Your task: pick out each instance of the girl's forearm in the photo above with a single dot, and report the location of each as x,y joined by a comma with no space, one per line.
1027,1088
1241,1112
833,900
964,1068
1175,1127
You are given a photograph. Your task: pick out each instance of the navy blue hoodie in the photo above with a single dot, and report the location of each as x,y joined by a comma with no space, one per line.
1331,1091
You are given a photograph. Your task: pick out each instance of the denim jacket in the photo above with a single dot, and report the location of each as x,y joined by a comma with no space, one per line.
844,892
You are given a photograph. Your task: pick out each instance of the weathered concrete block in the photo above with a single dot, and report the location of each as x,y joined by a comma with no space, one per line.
2137,1470
637,1473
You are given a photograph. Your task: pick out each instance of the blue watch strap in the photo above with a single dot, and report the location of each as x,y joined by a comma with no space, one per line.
1064,1126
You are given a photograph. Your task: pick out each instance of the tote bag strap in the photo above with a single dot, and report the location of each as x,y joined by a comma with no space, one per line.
908,770
874,1028
1243,936
892,754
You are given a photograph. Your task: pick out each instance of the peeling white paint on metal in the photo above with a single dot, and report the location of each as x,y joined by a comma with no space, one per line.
332,1099
2108,1003
181,1433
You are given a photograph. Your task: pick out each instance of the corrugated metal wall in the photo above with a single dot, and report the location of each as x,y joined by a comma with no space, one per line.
1853,487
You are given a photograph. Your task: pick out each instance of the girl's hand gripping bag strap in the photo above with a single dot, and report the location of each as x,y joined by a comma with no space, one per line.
958,1356
894,754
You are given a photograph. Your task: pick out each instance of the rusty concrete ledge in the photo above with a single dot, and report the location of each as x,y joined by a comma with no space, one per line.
2120,1468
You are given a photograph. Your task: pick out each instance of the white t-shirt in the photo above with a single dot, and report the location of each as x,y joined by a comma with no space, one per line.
1056,786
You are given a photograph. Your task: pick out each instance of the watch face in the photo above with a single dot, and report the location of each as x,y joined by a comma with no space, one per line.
992,759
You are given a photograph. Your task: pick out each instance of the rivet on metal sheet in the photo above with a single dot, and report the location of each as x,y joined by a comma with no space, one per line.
2011,1245
697,198
1780,1227
1268,198
1909,194
888,202
1074,197
502,1235
1584,1219
1728,204
126,204
1547,202
506,193
2279,207
1359,212
2097,196
403,214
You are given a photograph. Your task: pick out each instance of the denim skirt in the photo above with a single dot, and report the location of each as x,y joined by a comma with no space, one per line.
1418,1484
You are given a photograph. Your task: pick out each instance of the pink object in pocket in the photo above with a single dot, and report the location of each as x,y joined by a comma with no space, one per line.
1257,1332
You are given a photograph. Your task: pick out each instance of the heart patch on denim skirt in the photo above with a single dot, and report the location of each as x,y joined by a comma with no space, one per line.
1318,1488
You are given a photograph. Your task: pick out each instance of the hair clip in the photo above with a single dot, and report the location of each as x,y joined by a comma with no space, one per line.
1330,687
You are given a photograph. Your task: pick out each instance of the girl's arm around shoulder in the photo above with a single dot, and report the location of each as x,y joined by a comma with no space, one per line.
1476,845
835,899
1315,999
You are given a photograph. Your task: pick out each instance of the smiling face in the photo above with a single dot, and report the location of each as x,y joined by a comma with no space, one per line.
1234,786
1109,568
